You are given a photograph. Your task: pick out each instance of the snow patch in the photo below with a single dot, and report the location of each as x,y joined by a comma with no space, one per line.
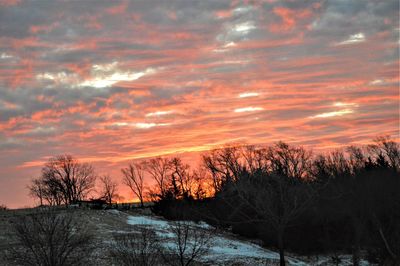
143,220
114,211
222,249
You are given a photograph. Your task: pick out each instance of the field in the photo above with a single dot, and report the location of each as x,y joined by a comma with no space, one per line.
225,248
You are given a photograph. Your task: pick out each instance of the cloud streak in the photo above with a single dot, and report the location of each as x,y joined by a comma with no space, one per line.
353,39
248,109
121,80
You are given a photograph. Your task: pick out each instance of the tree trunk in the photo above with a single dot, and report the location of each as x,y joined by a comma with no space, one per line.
281,248
282,257
356,247
387,246
141,203
356,255
382,235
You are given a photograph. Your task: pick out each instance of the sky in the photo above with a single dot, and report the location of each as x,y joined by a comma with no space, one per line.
113,81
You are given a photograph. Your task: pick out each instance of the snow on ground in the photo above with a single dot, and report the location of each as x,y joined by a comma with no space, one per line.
161,223
114,211
226,249
223,249
345,260
144,220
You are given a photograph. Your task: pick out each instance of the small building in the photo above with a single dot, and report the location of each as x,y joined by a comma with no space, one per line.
98,204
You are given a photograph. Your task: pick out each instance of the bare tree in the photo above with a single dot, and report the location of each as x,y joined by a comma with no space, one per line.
265,182
134,179
189,243
109,188
357,158
273,200
160,170
51,239
139,248
255,158
37,190
201,183
388,149
227,164
47,191
63,180
183,178
224,165
290,161
335,164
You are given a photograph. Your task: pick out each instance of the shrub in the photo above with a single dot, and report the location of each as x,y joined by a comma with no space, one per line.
139,248
51,239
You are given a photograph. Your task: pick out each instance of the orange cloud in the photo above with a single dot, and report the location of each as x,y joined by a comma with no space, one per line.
7,3
289,18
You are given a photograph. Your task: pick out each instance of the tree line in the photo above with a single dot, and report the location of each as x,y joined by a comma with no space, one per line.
64,180
342,201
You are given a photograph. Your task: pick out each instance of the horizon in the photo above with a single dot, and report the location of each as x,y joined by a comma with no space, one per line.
193,159
128,80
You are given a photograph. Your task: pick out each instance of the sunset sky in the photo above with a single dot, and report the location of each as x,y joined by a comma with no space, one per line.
111,81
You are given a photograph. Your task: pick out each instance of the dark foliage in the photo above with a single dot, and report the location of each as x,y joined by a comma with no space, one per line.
342,202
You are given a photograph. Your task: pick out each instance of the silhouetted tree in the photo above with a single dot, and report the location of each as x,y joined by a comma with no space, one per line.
224,165
37,190
108,189
182,180
386,149
134,179
330,166
63,180
289,161
160,170
270,199
361,188
346,199
269,187
376,195
201,183
255,158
